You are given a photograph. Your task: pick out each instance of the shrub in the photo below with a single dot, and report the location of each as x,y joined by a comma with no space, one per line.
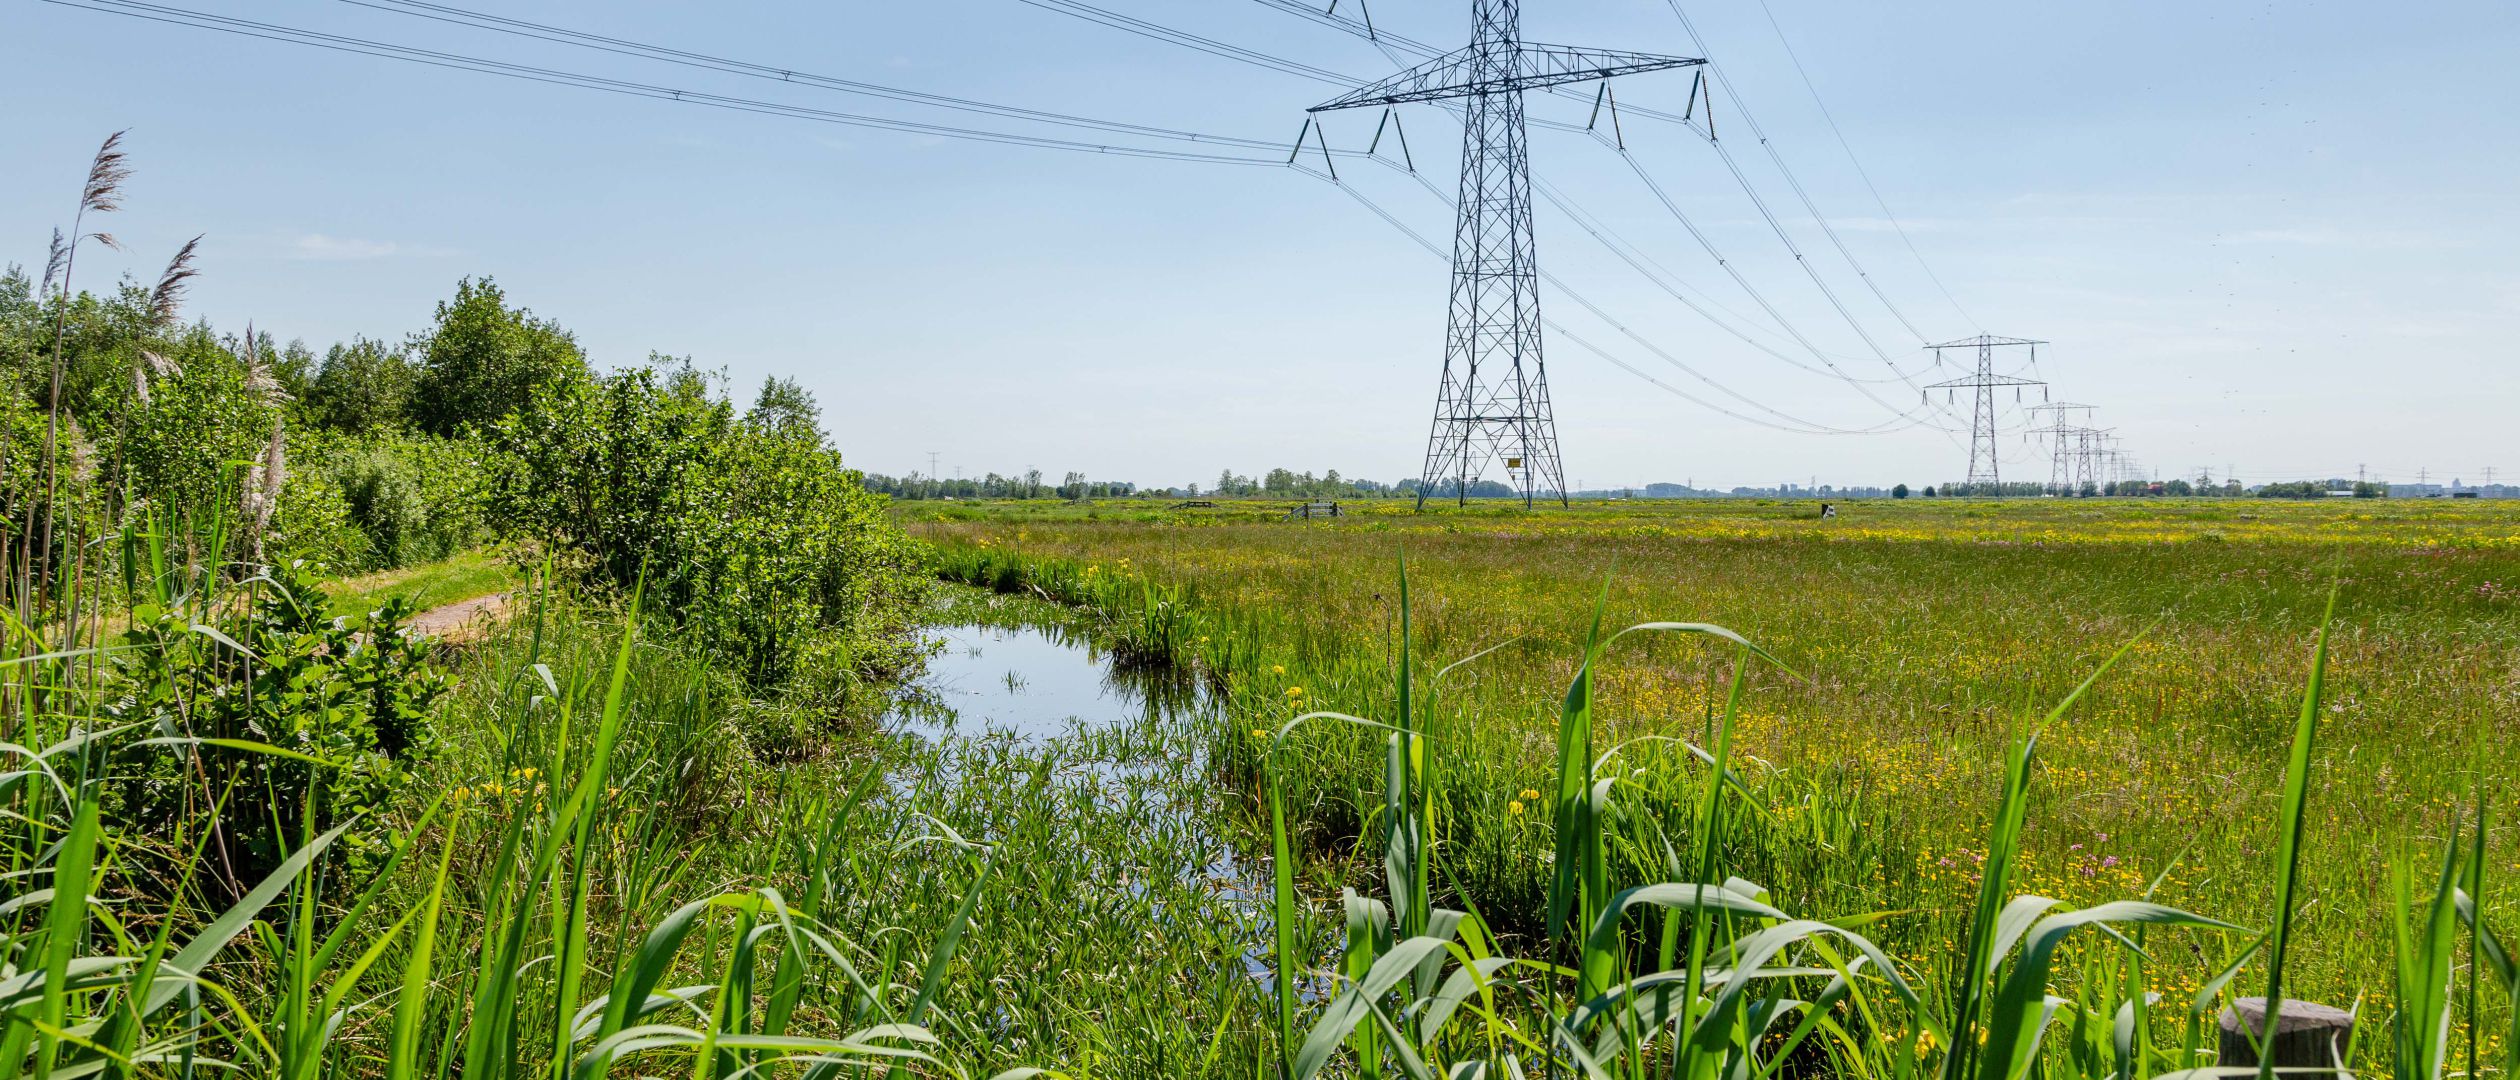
749,530
314,520
415,498
484,358
183,446
345,700
363,386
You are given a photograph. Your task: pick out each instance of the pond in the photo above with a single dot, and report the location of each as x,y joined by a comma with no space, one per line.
1023,679
1035,682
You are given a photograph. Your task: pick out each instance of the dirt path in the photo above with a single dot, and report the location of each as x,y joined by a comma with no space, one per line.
462,620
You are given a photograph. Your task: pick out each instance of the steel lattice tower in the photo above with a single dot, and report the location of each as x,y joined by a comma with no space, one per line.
1983,461
2059,435
1494,399
2094,452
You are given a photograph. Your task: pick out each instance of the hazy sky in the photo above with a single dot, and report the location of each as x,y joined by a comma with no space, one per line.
2276,236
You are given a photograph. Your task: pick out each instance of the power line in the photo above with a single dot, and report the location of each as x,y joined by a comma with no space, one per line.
1388,40
706,62
1741,178
1668,204
1794,426
173,16
1742,107
1185,39
1654,273
1163,33
1851,159
1391,44
168,15
1393,40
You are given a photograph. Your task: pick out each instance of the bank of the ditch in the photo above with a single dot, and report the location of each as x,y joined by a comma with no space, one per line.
1818,837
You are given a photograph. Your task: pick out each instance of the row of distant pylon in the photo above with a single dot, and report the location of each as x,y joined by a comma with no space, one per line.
2083,457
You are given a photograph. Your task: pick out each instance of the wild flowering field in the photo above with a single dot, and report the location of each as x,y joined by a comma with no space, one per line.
1922,636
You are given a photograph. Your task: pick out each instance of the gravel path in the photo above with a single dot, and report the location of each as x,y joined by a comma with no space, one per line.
462,620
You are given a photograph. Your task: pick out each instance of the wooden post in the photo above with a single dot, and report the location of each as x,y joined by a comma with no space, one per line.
2308,1035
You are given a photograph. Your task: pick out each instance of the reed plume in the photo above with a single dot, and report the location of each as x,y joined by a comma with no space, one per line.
259,378
165,302
101,194
263,481
167,298
55,260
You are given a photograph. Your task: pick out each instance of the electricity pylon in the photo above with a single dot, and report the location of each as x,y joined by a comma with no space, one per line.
1983,462
2060,436
2094,454
1494,399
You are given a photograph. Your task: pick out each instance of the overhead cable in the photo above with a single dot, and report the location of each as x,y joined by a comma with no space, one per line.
666,54
161,13
1792,424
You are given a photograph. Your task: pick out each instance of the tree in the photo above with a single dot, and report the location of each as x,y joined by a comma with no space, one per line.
784,409
1929,491
1899,492
483,359
362,387
1278,482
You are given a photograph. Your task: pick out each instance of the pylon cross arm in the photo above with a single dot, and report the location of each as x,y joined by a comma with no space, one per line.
1471,72
1990,380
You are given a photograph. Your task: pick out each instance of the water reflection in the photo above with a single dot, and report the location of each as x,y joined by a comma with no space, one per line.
1127,733
1035,683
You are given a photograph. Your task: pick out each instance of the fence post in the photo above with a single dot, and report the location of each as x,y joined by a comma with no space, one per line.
2308,1035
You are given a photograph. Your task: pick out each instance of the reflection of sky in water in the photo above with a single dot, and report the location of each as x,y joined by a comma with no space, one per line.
1025,681
1127,733
1034,683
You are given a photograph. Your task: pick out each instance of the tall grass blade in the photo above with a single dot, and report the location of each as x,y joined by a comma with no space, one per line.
2290,828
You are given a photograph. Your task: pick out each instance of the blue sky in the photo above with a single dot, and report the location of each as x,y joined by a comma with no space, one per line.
2271,236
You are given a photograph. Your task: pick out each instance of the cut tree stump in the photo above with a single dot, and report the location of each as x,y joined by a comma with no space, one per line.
2308,1035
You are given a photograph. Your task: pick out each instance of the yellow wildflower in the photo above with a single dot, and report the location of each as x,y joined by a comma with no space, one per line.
1514,806
1529,795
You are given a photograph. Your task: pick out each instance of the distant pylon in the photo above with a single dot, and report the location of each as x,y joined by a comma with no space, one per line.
1494,399
2093,458
2060,436
1984,463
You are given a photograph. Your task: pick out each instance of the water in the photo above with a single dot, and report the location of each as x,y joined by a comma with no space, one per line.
1033,683
1128,732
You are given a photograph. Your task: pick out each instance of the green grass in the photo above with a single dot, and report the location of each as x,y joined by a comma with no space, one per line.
1926,633
1834,806
472,574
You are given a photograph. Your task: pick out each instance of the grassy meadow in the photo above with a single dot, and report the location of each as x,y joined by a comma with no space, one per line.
1924,635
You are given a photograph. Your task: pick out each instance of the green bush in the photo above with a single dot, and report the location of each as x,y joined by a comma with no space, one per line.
345,700
361,387
314,521
414,498
747,530
483,358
